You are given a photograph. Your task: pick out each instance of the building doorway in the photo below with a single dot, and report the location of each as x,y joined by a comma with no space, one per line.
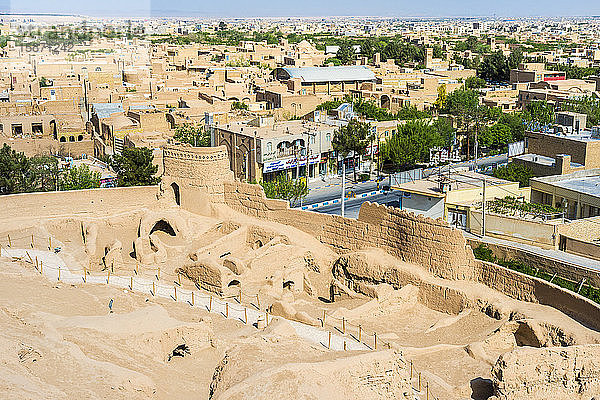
176,193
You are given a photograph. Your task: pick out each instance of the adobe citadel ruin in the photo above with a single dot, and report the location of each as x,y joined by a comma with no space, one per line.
226,236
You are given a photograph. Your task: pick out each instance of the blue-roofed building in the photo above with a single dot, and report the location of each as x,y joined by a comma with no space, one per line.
101,111
105,110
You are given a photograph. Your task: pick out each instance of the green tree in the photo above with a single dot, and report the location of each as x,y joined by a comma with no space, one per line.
44,173
515,58
412,143
352,139
440,102
515,173
134,167
539,111
494,67
239,105
588,105
45,82
497,136
346,53
515,122
194,135
437,51
368,47
285,188
81,177
14,168
474,82
333,60
445,130
462,103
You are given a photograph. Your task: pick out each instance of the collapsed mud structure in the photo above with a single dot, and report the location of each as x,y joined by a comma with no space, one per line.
406,286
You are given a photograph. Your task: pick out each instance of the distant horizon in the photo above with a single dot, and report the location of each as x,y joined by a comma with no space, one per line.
156,15
509,9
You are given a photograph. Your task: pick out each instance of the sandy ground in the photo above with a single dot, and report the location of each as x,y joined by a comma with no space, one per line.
60,340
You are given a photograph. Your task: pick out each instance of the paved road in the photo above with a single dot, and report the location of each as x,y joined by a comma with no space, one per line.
352,206
332,189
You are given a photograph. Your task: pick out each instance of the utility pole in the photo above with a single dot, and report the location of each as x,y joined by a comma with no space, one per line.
343,185
483,210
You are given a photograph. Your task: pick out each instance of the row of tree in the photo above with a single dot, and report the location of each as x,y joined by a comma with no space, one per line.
369,110
21,174
390,48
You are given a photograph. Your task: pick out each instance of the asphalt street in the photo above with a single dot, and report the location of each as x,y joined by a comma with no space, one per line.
352,206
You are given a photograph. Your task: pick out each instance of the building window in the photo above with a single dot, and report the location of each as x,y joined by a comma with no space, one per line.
328,137
37,128
269,147
17,129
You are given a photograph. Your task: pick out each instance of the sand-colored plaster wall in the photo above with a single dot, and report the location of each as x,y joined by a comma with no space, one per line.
528,288
548,265
92,202
412,238
431,243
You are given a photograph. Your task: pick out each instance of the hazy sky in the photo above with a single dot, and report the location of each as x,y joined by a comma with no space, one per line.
252,8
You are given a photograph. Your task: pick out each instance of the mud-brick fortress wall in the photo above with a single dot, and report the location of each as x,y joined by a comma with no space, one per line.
415,239
433,244
198,172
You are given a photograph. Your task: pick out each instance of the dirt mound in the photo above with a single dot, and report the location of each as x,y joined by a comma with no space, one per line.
549,373
381,375
150,330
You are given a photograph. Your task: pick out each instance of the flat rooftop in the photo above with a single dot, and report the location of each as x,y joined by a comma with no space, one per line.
543,160
277,130
430,186
584,182
589,185
582,136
